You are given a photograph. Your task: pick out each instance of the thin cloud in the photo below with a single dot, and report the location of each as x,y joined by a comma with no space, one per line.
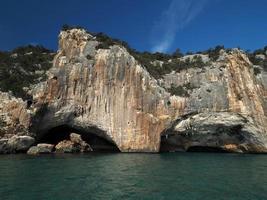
179,14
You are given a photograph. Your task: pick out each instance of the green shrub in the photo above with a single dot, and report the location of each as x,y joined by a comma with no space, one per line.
214,53
256,71
258,61
17,68
89,57
67,27
181,90
146,58
177,54
178,91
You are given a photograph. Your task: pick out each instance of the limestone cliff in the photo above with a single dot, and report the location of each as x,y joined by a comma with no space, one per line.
227,90
14,116
105,91
109,93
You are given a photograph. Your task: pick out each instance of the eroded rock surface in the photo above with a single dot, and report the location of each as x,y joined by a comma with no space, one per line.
110,94
225,95
14,117
222,131
107,92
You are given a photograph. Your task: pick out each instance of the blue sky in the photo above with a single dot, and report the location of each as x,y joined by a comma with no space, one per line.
147,25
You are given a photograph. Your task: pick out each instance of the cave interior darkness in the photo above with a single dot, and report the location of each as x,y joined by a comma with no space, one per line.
100,144
168,145
59,133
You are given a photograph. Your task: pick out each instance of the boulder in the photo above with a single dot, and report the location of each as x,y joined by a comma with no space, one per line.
41,149
67,146
45,148
4,147
34,150
76,138
20,143
84,147
74,145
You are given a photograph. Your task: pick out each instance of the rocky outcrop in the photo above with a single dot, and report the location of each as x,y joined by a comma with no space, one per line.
41,149
16,144
74,145
14,125
14,116
221,131
107,92
20,143
66,146
227,102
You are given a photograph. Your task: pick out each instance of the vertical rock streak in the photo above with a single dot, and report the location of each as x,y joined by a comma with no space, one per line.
108,92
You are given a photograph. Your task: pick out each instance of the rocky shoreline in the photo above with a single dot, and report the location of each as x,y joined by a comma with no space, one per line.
100,89
26,144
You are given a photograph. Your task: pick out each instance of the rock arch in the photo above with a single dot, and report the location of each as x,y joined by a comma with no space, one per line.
96,138
213,131
110,91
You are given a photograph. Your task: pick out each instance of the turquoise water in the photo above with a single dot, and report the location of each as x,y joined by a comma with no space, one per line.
133,176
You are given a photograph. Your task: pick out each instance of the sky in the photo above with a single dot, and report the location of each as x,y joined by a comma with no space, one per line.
146,25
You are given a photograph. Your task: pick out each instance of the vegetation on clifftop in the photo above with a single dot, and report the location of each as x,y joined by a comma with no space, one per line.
259,57
170,62
181,90
22,67
28,65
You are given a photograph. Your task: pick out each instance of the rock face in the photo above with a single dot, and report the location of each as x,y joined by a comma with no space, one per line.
14,116
228,102
214,131
108,93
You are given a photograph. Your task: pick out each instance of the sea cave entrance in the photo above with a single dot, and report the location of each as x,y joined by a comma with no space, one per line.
178,143
206,149
60,133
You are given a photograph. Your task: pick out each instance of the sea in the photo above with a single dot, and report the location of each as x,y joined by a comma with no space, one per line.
133,176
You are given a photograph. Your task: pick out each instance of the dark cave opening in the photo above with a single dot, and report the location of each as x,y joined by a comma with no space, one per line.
59,133
206,149
176,143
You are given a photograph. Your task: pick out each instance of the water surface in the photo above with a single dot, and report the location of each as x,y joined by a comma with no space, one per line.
133,176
